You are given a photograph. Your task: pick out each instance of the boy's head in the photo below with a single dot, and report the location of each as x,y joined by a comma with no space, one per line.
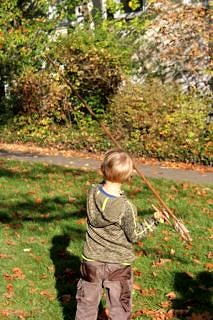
117,166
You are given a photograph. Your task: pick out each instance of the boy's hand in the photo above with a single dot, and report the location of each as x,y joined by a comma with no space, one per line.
161,216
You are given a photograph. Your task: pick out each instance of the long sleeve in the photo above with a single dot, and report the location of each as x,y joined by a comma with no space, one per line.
134,230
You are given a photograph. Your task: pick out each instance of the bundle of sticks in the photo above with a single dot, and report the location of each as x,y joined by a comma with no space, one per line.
176,223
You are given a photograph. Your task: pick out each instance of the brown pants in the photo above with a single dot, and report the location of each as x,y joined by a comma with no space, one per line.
115,278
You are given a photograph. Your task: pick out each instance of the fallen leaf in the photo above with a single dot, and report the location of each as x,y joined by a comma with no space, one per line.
38,200
81,221
22,315
5,256
45,293
9,292
209,266
10,243
171,295
166,239
140,244
71,199
160,262
17,273
209,255
196,261
137,273
136,286
148,292
165,304
7,277
209,201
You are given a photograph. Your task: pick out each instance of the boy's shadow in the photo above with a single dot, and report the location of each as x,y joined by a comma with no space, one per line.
67,273
195,294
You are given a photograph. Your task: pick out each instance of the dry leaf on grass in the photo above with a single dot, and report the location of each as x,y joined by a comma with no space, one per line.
160,262
81,221
209,266
46,294
171,295
9,293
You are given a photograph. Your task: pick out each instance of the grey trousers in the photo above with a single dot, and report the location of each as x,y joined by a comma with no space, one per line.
117,281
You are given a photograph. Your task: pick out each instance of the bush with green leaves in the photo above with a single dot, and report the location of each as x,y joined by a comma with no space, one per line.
92,62
159,121
94,71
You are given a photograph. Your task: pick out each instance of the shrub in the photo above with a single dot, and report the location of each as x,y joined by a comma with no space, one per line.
39,93
159,121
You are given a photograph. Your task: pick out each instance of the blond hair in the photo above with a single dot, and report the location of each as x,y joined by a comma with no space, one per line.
117,166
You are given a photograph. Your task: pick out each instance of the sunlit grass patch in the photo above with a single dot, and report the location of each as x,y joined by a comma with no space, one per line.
42,216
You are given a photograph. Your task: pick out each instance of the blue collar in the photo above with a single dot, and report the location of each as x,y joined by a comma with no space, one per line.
105,193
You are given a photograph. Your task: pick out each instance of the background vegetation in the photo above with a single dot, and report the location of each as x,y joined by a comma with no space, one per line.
149,119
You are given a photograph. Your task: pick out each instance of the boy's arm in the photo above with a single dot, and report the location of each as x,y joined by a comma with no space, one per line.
133,229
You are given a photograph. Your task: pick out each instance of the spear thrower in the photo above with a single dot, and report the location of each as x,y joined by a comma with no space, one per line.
176,223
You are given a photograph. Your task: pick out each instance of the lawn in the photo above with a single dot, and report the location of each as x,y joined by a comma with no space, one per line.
42,216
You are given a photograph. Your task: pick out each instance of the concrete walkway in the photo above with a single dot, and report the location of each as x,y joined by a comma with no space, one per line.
150,171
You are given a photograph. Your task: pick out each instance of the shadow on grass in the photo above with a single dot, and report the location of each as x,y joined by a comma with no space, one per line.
34,170
49,210
195,295
67,273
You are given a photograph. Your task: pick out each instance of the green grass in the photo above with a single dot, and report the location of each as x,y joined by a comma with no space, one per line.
42,231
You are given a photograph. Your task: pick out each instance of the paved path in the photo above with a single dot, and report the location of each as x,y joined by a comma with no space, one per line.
150,171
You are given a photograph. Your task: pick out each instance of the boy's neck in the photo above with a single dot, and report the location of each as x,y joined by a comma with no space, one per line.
113,188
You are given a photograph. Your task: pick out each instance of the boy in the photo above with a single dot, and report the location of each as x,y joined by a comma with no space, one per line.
112,227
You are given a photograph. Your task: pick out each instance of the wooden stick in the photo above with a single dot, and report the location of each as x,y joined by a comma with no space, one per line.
177,224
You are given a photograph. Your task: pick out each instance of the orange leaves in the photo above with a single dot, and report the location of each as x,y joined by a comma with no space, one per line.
47,294
209,266
154,314
81,221
17,274
5,256
143,291
19,314
171,295
38,200
160,262
165,304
